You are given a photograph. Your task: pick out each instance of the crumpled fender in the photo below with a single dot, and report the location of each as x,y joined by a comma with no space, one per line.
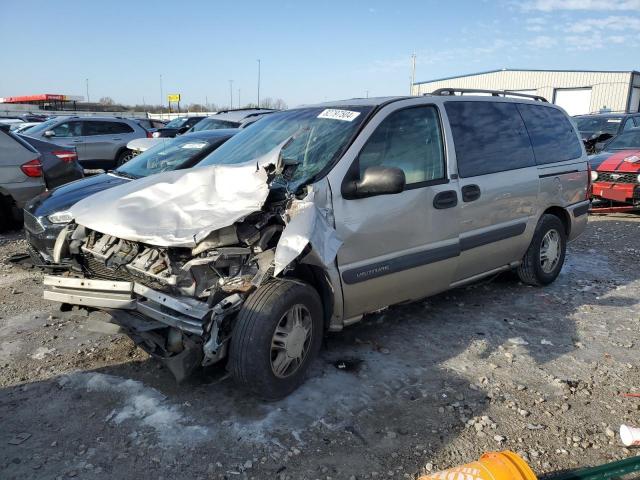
307,225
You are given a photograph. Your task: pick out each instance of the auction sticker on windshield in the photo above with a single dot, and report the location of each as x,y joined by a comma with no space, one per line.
334,114
195,146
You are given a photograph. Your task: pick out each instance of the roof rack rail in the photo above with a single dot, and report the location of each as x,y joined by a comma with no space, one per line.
494,93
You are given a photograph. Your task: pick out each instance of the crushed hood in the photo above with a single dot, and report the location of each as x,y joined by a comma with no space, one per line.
179,208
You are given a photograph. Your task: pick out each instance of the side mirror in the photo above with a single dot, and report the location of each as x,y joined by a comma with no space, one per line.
376,180
49,133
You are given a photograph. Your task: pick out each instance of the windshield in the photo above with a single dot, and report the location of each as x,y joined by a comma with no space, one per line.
176,123
625,141
169,154
598,124
319,134
213,124
44,126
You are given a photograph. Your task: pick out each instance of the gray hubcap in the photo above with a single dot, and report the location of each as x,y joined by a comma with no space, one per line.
291,340
550,251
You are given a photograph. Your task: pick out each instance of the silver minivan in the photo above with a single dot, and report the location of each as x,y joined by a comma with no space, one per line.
318,215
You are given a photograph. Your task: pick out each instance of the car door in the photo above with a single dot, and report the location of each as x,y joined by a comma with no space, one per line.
403,246
498,182
103,140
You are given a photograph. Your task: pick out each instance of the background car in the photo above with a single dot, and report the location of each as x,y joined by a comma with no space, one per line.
20,176
46,215
616,178
597,129
240,118
177,126
150,125
21,127
59,165
629,140
101,142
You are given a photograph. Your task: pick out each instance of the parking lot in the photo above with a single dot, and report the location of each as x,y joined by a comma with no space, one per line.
495,365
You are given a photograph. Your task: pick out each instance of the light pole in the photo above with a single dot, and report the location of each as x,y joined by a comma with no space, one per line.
87,82
239,103
161,97
413,73
231,92
258,83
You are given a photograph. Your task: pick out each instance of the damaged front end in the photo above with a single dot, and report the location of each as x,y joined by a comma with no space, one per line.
177,303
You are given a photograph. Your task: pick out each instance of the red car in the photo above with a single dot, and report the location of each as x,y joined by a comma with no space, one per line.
617,177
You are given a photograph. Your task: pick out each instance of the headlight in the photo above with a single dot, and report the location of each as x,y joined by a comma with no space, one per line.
155,134
60,217
594,175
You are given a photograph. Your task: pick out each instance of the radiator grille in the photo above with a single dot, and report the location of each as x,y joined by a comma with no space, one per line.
614,177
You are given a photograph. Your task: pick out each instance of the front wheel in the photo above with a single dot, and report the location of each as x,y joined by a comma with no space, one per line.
545,256
276,337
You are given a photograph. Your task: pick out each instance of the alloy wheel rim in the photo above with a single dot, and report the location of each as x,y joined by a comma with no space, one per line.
291,341
550,251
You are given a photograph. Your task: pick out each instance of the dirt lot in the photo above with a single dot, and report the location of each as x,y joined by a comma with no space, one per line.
497,365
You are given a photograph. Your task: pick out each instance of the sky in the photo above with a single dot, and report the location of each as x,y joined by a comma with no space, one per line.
309,51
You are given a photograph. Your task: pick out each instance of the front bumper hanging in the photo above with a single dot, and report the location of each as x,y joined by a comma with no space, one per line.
184,313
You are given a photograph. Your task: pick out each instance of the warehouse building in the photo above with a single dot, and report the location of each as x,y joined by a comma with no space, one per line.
578,92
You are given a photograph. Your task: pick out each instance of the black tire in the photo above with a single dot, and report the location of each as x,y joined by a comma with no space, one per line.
250,354
123,157
8,220
531,269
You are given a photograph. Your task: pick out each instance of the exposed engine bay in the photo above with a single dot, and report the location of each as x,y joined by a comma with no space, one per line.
179,302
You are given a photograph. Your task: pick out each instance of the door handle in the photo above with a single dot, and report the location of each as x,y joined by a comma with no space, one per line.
470,193
76,141
116,139
446,199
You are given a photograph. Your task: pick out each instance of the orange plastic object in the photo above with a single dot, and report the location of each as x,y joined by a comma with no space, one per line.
491,466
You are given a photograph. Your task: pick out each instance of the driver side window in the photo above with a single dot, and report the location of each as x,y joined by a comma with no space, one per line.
409,139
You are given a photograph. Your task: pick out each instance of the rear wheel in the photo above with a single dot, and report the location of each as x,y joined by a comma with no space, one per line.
544,258
7,217
124,156
277,335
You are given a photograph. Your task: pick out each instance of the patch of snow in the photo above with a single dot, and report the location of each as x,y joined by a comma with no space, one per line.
145,405
42,352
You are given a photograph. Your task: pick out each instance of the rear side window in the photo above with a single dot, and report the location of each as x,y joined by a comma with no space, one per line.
410,139
489,137
552,135
105,128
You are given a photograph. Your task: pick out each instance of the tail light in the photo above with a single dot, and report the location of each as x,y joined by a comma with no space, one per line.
67,156
149,135
32,168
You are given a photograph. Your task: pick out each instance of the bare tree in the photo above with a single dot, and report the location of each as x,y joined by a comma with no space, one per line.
280,104
196,107
106,101
267,102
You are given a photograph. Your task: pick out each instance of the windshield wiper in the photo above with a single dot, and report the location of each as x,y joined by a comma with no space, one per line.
125,175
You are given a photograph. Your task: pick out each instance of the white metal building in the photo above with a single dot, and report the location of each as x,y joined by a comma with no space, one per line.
578,92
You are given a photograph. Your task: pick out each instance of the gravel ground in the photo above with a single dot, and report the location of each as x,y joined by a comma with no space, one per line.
497,365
